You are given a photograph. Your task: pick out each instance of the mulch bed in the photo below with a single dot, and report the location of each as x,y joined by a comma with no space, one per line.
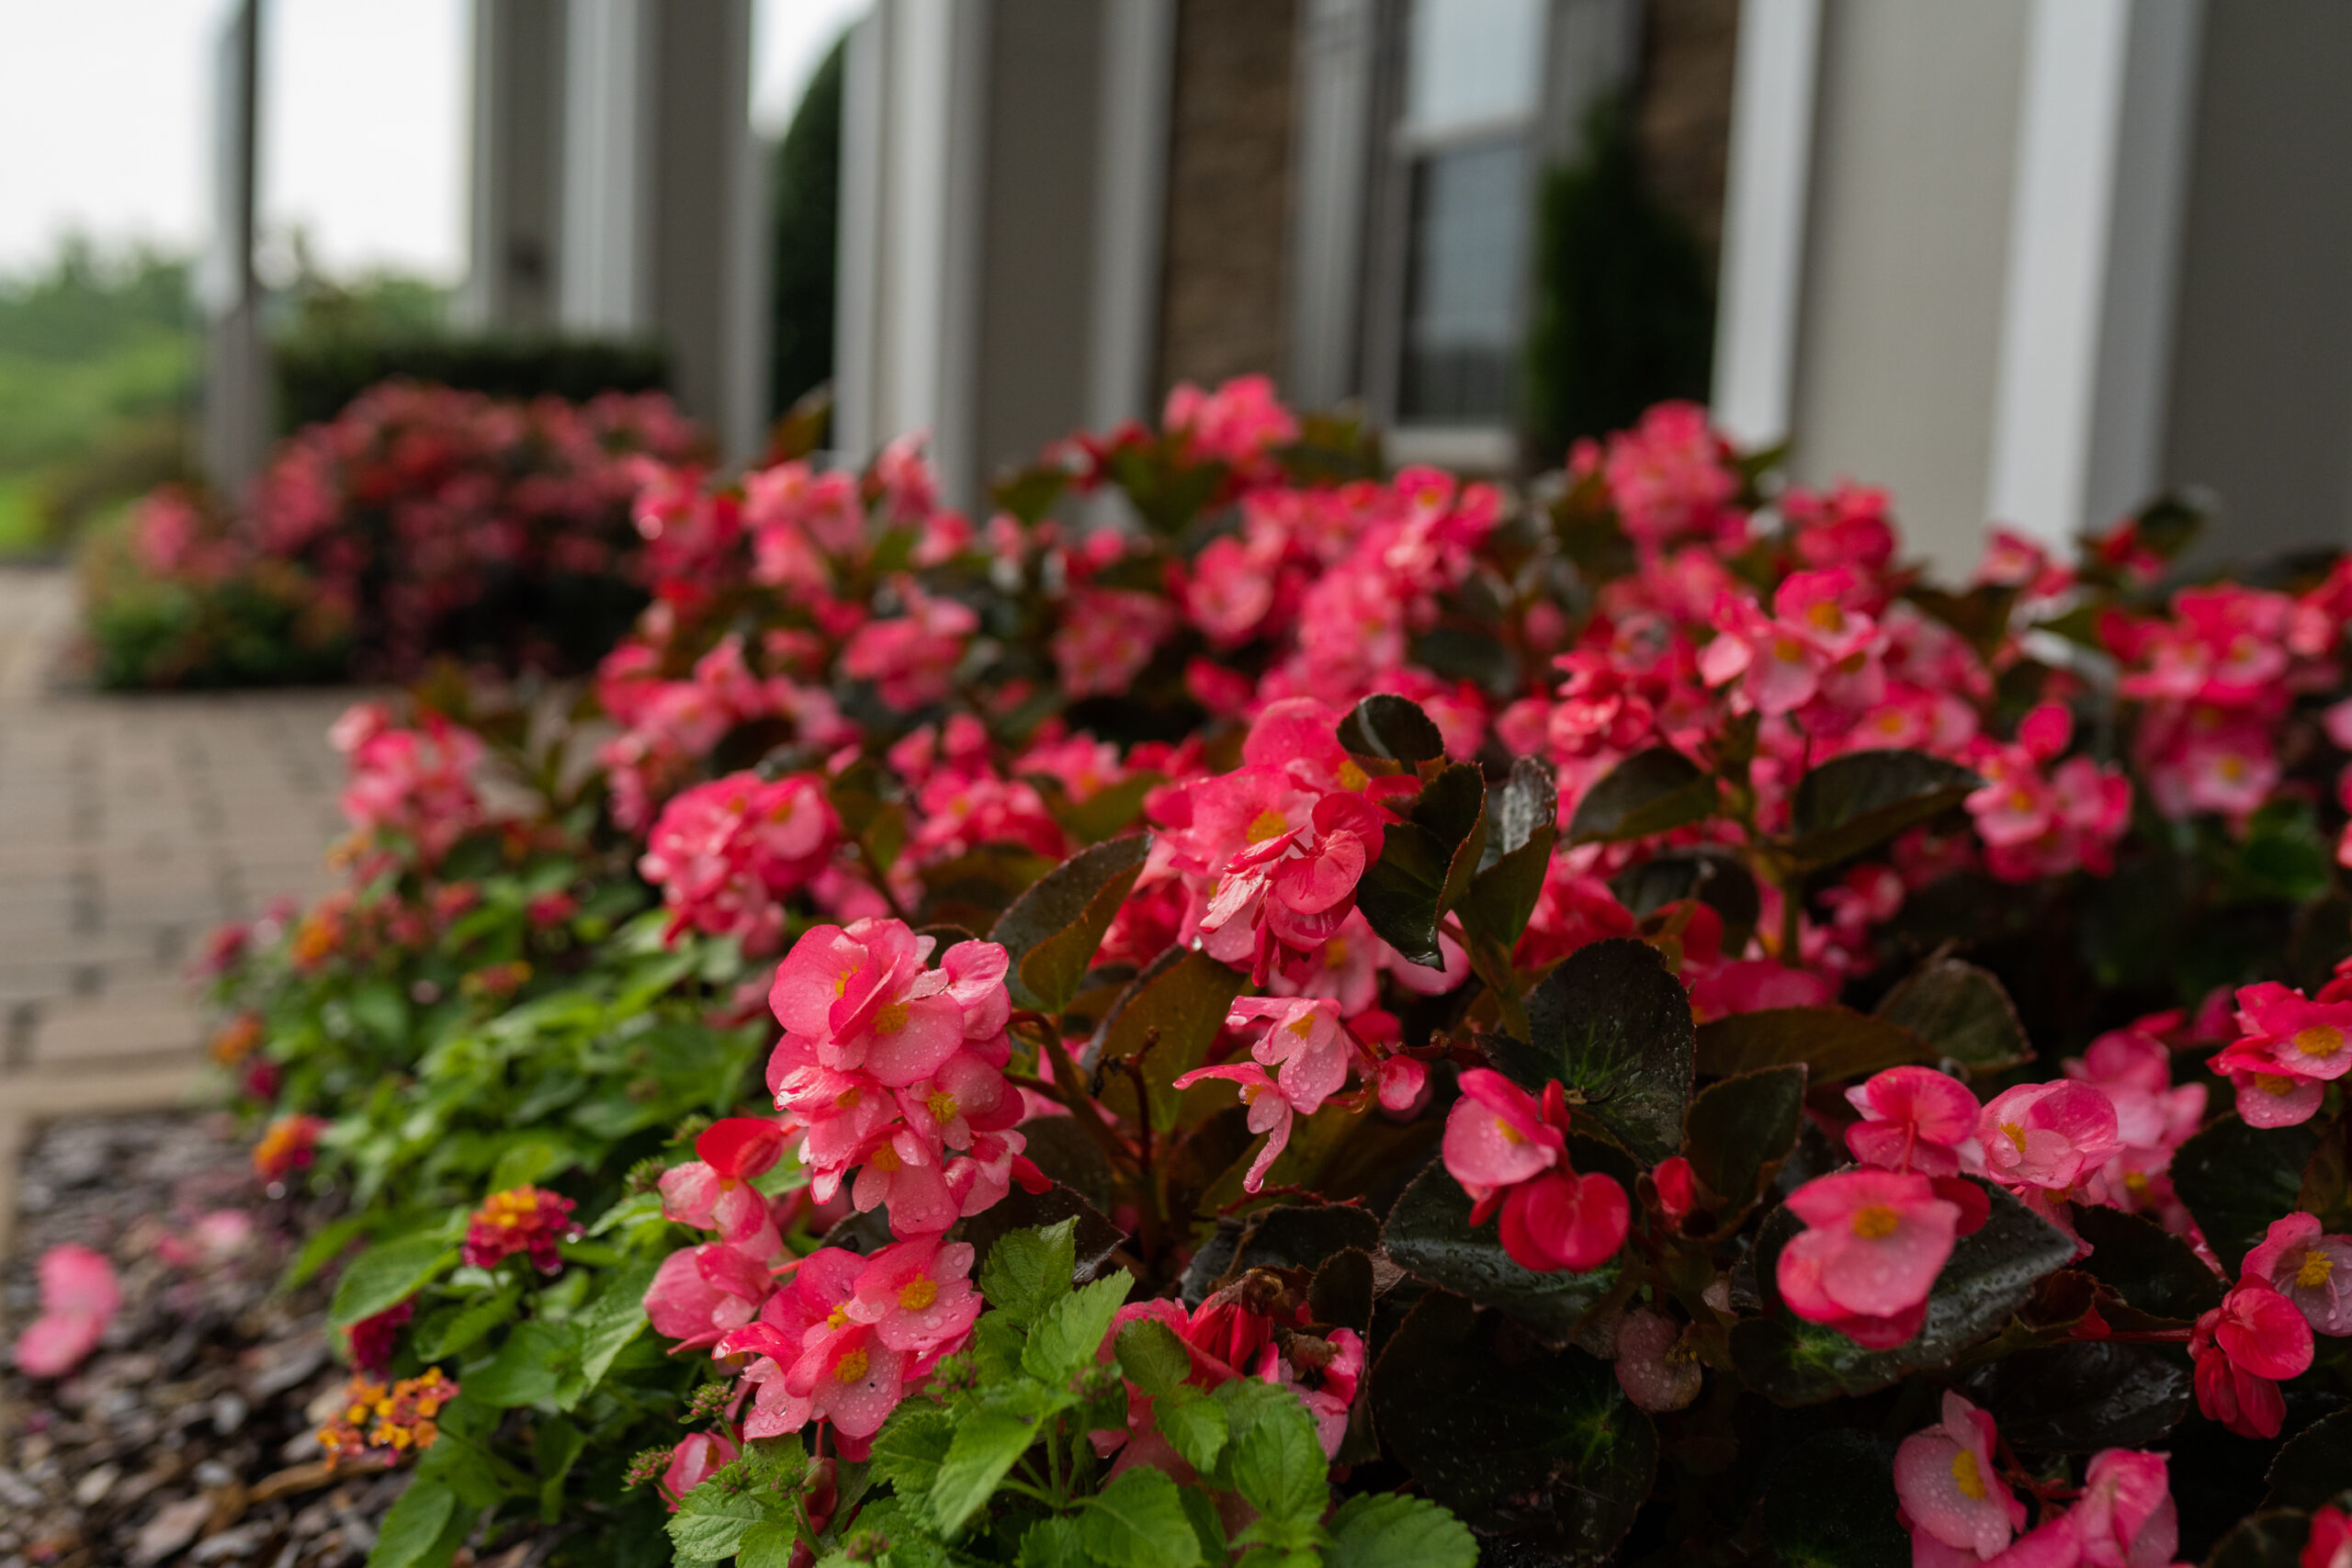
188,1435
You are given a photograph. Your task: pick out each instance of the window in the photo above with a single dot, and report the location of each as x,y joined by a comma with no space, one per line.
1473,82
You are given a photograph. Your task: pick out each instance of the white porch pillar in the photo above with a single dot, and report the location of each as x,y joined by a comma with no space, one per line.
236,404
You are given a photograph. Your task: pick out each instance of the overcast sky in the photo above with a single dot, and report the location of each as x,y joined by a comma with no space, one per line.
106,108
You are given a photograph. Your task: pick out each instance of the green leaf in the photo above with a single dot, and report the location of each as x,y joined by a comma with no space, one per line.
1835,1042
910,1445
1988,1276
2235,1180
1430,1233
1709,873
1054,1543
1138,1521
2153,1270
1152,1357
2314,1468
555,1445
1522,807
1277,1464
1169,1017
1028,1271
1070,1332
1961,1012
615,1317
1427,863
524,1371
986,1445
1647,793
710,1522
1855,801
1092,1238
1387,1529
768,1544
385,1276
1830,1504
1053,929
1387,725
1193,1423
1612,1023
1739,1132
322,1249
414,1527
1509,1436
2267,1540
2082,1397
454,1332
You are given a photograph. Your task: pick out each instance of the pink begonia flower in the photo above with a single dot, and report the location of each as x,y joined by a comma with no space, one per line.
1401,1083
1509,1151
1915,1119
2283,1032
1270,1111
2047,1136
1234,424
2311,1271
1677,1185
2126,1517
692,1462
725,853
1304,1040
918,1295
912,659
1106,637
2243,1350
2330,1542
715,1193
1653,1368
1875,1241
700,1293
1282,898
902,1172
1669,475
78,1299
2133,1069
2267,1099
1952,1490
860,998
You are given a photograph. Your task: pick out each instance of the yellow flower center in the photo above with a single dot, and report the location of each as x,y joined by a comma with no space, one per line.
837,1317
891,1019
918,1292
942,1105
847,1098
1267,824
885,1158
1510,1133
1303,1025
853,1367
1873,1221
1967,1477
1787,650
2137,1182
2317,1266
2319,1039
1351,777
1335,953
1824,616
2269,1083
841,980
2015,1132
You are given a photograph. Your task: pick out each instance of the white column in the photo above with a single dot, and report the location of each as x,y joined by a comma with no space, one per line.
604,282
236,414
745,340
857,256
2094,229
1766,206
1338,48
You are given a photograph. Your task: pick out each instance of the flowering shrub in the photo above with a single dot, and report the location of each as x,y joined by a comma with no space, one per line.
420,521
1364,1016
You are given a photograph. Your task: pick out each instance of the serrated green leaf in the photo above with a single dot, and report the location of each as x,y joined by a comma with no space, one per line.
385,1276
768,1544
1193,1423
1069,1333
1028,1271
1151,1356
1277,1464
2314,1468
2235,1180
911,1444
710,1523
1054,1543
1052,930
1961,1012
453,1333
986,1446
1611,1021
1740,1130
1138,1521
1168,1018
526,1369
1387,1529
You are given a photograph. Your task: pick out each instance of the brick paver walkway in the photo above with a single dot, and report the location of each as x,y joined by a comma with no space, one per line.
129,826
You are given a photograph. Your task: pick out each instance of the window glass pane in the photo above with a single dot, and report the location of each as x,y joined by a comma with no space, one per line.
1468,240
1468,60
